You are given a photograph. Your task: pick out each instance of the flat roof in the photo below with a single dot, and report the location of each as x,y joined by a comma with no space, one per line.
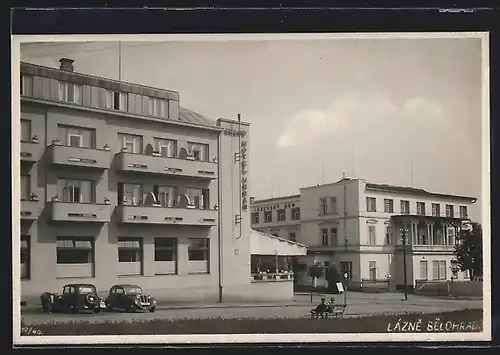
276,198
415,191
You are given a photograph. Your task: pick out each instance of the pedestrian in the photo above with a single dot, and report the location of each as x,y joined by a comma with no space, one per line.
47,299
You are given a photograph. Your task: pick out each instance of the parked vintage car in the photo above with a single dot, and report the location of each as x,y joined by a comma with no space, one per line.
129,298
74,297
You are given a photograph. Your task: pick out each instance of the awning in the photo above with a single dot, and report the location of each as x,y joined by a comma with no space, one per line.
266,244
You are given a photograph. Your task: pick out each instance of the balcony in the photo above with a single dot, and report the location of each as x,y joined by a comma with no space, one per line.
79,212
128,162
170,216
30,210
30,151
77,156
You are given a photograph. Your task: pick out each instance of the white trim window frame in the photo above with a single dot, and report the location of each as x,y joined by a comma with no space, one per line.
324,237
372,267
26,85
372,236
199,151
166,147
25,130
72,190
371,204
134,141
70,92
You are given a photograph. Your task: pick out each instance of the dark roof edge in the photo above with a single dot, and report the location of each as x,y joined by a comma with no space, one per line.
412,191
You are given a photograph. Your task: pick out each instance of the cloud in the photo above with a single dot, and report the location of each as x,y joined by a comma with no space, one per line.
361,117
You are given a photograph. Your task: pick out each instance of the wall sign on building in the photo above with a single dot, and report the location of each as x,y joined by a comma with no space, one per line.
234,132
243,163
277,206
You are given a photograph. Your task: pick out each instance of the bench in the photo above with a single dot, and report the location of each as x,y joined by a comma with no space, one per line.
336,311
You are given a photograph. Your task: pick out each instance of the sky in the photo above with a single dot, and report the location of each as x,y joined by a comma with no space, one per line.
398,111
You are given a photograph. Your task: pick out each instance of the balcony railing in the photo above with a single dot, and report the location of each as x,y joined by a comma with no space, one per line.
129,162
30,151
30,210
79,212
78,156
167,215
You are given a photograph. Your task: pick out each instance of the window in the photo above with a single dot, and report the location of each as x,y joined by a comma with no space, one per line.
198,151
281,215
129,256
116,100
70,92
268,217
346,268
450,233
389,236
449,211
199,254
463,212
439,269
25,187
76,136
75,191
166,147
388,205
371,236
75,250
130,143
25,130
158,107
324,236
26,85
198,197
333,205
373,270
423,270
323,206
25,257
296,213
255,218
292,236
405,207
166,195
454,269
436,209
129,194
334,235
165,256
165,249
371,204
421,208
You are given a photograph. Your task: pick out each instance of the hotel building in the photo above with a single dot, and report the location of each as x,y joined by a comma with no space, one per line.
120,184
359,227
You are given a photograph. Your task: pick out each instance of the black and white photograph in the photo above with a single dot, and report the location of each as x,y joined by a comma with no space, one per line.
251,188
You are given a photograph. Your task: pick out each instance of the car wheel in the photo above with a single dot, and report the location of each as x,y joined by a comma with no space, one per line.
152,309
130,309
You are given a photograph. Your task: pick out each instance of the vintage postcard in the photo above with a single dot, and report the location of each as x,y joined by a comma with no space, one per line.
251,188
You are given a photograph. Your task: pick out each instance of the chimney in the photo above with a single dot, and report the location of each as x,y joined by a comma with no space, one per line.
252,200
66,64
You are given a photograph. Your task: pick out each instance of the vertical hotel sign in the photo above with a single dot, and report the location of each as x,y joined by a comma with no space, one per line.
242,157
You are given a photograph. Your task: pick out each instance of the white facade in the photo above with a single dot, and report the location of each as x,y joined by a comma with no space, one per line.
358,226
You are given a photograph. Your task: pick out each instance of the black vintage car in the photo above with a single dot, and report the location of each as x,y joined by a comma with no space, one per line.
74,297
129,298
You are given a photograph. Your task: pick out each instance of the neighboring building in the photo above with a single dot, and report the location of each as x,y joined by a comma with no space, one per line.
119,184
358,226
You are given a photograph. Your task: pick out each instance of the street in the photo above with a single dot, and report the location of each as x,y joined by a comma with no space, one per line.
357,304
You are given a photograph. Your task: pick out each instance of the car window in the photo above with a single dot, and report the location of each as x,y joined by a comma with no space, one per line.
66,289
133,289
119,291
72,290
86,289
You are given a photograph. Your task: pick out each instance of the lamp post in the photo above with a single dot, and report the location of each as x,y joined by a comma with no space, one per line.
404,232
346,277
